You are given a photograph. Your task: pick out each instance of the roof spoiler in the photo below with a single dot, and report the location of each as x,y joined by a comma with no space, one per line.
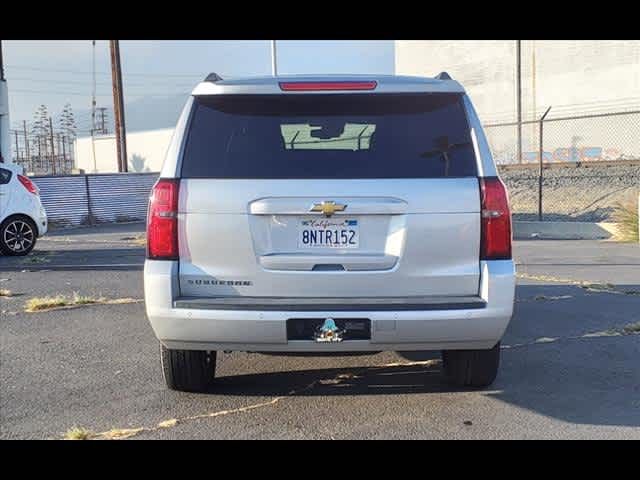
443,76
213,78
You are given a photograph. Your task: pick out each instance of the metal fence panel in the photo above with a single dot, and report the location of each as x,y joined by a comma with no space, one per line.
120,197
65,199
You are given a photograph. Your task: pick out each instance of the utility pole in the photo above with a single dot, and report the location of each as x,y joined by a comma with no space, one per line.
519,96
53,151
274,59
5,135
93,89
26,144
59,150
64,151
93,109
118,105
17,150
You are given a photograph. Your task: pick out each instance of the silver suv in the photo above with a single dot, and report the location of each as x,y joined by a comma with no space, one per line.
329,215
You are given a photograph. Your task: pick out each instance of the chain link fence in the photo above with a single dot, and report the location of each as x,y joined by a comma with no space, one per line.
572,168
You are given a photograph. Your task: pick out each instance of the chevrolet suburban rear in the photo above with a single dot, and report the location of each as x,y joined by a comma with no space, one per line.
324,214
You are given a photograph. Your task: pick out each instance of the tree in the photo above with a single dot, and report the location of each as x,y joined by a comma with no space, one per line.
40,130
67,122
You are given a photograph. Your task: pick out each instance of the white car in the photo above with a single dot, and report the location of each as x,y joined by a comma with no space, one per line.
22,217
329,215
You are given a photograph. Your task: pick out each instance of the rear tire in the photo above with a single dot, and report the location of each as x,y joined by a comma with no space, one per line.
18,236
188,370
471,368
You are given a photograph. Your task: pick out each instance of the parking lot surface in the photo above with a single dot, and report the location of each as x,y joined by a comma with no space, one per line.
569,366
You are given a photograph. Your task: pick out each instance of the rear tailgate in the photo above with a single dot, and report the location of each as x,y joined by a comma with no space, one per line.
383,202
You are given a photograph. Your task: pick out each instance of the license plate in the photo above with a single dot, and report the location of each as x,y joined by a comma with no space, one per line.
328,233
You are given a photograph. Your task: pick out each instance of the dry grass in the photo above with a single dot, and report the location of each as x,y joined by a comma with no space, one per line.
86,300
599,287
140,240
552,297
631,328
41,304
45,303
119,433
626,216
78,433
172,422
5,293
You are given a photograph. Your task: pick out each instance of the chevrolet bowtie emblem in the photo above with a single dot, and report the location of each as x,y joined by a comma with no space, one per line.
328,208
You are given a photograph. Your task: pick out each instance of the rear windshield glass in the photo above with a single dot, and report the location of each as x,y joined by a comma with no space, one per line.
329,136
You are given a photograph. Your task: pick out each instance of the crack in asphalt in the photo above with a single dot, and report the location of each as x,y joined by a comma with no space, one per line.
588,286
539,298
626,330
123,433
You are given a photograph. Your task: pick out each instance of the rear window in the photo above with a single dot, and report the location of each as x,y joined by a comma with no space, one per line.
329,136
5,176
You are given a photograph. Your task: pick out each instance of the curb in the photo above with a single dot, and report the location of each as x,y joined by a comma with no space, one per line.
563,230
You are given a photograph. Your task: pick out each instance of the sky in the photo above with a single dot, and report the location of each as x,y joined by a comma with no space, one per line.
57,72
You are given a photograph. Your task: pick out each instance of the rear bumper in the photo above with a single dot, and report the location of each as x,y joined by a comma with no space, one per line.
195,328
41,221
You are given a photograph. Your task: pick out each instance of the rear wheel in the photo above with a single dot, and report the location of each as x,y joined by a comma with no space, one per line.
188,370
17,236
471,368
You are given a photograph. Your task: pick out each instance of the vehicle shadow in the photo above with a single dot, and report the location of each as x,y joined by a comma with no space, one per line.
366,380
566,354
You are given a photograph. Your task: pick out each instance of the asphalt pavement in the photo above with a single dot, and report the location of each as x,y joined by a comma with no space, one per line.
569,368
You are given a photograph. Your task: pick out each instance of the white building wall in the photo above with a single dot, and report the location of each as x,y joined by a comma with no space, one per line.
145,152
573,76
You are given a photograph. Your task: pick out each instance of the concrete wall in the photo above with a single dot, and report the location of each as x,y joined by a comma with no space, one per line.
571,75
145,152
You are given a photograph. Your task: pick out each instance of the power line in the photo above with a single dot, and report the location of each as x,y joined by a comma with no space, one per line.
71,82
88,94
86,72
57,93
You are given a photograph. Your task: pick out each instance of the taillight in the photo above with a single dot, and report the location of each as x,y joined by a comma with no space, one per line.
327,86
29,185
162,220
495,241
